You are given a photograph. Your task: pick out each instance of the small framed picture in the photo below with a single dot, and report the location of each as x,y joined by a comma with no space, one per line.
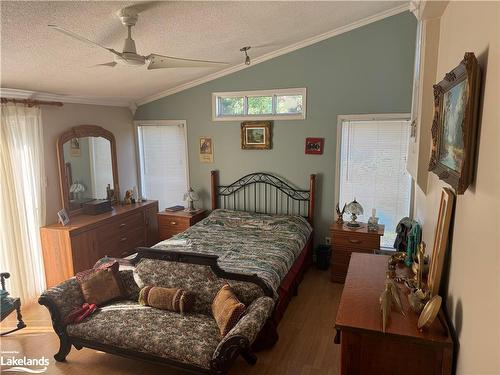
314,146
256,135
63,217
75,147
206,150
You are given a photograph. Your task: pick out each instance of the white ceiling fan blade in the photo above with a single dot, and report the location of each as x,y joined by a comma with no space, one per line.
111,64
159,62
82,39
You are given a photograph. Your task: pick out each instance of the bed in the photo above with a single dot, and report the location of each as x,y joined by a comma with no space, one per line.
259,225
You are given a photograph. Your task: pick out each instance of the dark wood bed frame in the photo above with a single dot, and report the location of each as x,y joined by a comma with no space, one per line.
272,195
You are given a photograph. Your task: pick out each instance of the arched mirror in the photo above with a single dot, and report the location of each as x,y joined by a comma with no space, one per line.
87,166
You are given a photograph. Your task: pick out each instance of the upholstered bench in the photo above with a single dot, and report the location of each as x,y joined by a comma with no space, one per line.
191,340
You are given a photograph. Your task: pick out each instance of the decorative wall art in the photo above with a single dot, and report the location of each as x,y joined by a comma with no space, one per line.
256,135
206,150
440,241
454,128
314,146
75,147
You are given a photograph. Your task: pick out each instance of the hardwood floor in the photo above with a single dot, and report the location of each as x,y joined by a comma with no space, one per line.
305,346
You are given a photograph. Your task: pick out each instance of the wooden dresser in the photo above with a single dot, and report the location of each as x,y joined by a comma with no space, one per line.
402,349
77,246
346,241
172,223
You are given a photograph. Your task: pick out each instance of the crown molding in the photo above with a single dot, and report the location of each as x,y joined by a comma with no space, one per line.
92,100
282,51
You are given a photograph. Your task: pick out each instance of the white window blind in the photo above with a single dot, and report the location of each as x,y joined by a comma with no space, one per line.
163,163
373,170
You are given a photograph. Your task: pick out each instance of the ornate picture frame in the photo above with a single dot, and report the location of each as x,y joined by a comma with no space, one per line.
256,135
454,128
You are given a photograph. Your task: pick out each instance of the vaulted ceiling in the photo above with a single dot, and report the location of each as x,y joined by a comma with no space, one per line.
37,58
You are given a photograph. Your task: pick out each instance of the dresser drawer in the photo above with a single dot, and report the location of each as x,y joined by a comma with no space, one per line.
123,244
119,228
355,241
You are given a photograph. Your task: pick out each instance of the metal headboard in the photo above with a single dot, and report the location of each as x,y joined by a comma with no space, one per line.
264,193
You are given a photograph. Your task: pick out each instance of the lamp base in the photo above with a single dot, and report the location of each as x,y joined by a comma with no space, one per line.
353,224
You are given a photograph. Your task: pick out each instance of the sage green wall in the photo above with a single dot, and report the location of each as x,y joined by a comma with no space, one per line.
367,70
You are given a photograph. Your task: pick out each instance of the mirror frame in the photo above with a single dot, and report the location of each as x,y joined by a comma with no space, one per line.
80,132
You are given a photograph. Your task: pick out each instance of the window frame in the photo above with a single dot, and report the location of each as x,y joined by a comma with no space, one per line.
139,123
249,93
368,117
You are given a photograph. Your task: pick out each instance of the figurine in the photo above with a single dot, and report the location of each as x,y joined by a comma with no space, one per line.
128,197
388,298
340,214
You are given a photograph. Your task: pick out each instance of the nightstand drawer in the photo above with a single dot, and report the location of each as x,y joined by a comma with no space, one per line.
355,241
172,223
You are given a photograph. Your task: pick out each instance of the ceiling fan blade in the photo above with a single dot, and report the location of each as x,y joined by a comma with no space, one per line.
159,62
82,39
111,64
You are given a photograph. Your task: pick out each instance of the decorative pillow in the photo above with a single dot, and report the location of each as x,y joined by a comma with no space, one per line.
172,299
227,309
101,286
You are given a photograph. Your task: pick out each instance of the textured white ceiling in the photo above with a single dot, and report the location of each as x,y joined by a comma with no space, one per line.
35,57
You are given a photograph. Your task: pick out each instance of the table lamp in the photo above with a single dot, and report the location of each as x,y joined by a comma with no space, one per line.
190,196
355,209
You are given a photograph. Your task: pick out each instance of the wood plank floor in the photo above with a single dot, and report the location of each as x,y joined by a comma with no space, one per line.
305,346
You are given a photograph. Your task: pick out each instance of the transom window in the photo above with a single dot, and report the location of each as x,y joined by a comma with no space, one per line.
279,104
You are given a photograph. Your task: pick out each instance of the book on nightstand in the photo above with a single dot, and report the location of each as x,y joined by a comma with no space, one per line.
174,208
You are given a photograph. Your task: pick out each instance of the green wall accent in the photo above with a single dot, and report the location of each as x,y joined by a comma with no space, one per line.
367,70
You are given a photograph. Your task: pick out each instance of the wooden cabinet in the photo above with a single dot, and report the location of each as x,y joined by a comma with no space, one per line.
402,349
172,223
87,238
345,241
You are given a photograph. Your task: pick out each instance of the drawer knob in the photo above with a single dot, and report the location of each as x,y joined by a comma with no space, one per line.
123,239
122,225
173,222
354,241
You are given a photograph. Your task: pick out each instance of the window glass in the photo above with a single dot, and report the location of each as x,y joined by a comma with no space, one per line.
231,106
288,104
258,105
373,170
162,153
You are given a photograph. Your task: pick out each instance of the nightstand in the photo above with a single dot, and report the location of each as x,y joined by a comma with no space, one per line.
172,223
347,240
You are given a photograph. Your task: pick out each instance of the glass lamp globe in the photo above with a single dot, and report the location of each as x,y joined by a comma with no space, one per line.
190,196
355,209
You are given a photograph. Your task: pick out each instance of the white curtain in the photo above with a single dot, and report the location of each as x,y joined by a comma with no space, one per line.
22,199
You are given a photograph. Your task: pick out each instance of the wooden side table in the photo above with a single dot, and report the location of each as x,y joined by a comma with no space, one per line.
402,349
172,223
345,241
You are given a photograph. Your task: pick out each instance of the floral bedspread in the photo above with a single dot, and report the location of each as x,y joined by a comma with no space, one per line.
246,242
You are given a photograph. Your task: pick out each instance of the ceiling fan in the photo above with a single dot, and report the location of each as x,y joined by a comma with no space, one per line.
129,55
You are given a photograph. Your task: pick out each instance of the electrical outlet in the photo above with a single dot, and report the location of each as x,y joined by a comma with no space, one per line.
328,240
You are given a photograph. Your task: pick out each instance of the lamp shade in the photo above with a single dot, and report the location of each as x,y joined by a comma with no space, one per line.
77,188
191,195
354,208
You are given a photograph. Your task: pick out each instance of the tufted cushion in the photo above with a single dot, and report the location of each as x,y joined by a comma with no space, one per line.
190,338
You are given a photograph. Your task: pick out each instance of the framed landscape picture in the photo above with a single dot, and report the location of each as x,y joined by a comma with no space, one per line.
454,128
256,135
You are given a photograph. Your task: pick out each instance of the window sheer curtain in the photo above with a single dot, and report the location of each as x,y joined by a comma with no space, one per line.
22,199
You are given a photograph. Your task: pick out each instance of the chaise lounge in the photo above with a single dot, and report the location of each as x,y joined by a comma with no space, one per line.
191,341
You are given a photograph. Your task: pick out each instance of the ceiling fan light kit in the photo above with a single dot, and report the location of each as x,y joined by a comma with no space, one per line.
247,58
129,56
